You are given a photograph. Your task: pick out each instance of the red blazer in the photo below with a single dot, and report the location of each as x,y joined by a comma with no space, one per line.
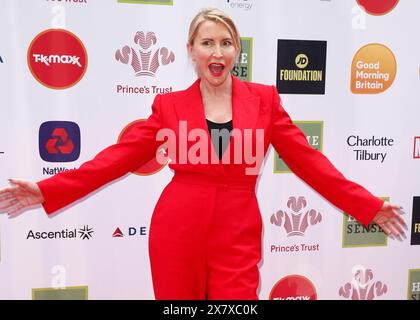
253,106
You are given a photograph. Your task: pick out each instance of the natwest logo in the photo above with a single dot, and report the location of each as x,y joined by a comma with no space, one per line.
297,219
59,141
293,287
146,59
377,7
57,58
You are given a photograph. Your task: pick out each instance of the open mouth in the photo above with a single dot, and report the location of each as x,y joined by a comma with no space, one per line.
216,69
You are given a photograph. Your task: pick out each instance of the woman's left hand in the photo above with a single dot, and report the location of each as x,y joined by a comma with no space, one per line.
391,221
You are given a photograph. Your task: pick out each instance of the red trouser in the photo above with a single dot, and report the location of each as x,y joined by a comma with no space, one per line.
205,240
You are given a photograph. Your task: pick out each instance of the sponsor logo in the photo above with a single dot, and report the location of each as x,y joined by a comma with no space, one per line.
145,61
1,59
164,2
59,141
313,131
362,286
415,222
150,167
362,153
377,8
416,148
295,220
57,58
240,4
373,69
413,291
67,293
357,235
243,68
131,231
301,66
293,287
84,233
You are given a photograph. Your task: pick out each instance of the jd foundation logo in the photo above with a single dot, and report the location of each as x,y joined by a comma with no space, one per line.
413,292
377,7
59,141
164,2
145,59
415,222
243,68
362,286
297,219
373,69
293,287
150,167
301,66
57,58
357,235
67,293
313,131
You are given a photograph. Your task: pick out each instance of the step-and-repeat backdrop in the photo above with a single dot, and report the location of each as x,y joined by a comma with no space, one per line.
76,74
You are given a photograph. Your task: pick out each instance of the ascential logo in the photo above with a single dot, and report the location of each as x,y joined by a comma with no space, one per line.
84,233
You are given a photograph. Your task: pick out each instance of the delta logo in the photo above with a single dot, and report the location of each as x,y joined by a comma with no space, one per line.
357,235
377,7
160,2
243,68
150,167
59,141
373,69
145,58
131,231
314,132
293,287
362,286
57,58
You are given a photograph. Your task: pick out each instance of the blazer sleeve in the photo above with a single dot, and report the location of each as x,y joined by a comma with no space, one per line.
316,170
136,148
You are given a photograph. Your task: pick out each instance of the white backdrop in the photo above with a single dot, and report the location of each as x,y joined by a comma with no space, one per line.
107,267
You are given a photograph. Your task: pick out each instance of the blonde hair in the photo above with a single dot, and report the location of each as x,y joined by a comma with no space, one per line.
215,15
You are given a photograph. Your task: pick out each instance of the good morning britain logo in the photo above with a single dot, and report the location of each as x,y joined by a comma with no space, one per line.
373,69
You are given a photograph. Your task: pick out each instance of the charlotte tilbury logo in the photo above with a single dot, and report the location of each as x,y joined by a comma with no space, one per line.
298,219
362,286
146,59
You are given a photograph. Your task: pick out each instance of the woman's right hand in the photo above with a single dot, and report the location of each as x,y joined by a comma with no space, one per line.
19,196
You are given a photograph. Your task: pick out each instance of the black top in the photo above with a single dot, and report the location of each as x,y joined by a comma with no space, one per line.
220,135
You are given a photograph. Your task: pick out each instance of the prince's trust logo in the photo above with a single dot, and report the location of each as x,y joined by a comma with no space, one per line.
298,219
144,60
295,222
362,286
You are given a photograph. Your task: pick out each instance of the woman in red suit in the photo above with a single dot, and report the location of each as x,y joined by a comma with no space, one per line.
205,233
